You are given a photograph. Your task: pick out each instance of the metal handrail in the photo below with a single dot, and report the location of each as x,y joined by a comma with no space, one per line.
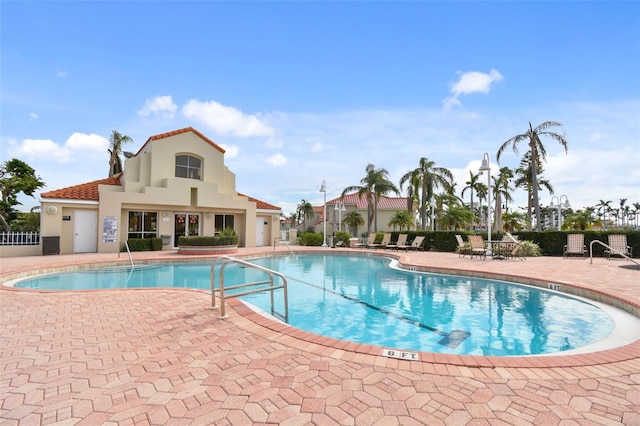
229,259
285,243
126,244
610,248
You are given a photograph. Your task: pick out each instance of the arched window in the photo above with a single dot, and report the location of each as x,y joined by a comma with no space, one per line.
188,166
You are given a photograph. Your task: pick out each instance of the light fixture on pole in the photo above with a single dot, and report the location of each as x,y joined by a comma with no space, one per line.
323,189
433,215
340,208
486,167
560,206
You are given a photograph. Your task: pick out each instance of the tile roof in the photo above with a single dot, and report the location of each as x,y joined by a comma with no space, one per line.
260,205
85,191
89,192
178,132
384,203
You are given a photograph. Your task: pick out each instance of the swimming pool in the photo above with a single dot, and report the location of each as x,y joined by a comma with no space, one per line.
363,299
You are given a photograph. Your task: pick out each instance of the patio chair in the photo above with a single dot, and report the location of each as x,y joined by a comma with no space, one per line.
463,248
402,241
509,247
386,239
416,244
371,240
575,245
619,247
478,247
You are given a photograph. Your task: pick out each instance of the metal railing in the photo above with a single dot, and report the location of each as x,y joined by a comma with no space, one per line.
613,251
283,241
226,260
19,238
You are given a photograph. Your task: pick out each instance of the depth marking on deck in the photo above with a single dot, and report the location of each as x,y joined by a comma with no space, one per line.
393,353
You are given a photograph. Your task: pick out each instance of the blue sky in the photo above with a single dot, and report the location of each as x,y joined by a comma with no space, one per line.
300,92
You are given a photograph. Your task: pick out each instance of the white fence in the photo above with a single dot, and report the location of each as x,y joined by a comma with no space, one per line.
19,238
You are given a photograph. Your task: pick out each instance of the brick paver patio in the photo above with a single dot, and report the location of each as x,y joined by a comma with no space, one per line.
162,356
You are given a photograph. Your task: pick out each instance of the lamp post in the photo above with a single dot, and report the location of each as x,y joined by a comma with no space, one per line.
323,189
340,208
433,215
486,167
559,206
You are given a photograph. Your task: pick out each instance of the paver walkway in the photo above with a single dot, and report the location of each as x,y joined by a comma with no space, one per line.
163,357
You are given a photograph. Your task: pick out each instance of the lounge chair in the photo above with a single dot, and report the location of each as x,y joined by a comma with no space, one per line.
386,239
463,248
371,240
619,247
402,241
509,247
575,245
478,247
416,244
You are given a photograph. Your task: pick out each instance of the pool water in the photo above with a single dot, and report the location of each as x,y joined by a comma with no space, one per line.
363,299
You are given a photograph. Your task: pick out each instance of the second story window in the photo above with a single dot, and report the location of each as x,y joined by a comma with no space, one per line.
188,166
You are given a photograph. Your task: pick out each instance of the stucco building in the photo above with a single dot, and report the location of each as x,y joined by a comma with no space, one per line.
176,184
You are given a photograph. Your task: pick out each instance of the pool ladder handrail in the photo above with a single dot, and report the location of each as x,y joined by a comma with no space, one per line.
285,243
271,288
126,244
610,248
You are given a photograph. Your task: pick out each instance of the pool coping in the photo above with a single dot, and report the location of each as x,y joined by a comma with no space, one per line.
371,354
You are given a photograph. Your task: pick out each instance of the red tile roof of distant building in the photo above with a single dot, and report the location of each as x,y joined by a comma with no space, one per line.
384,203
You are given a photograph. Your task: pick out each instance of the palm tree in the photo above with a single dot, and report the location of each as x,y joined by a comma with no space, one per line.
115,149
456,217
353,220
401,219
472,185
501,189
538,151
525,180
636,212
579,220
412,196
623,211
305,211
513,221
373,186
428,177
603,207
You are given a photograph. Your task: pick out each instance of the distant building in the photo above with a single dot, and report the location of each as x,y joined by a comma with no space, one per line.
176,184
387,208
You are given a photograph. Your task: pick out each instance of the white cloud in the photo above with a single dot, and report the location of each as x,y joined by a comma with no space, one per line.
43,149
33,116
61,74
316,147
230,151
475,82
75,147
277,160
84,142
159,105
225,120
471,82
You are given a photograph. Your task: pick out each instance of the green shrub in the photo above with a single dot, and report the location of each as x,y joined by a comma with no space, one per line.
226,237
529,249
342,237
311,239
143,244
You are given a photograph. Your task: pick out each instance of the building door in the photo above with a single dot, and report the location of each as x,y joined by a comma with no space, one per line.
85,231
260,225
185,224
